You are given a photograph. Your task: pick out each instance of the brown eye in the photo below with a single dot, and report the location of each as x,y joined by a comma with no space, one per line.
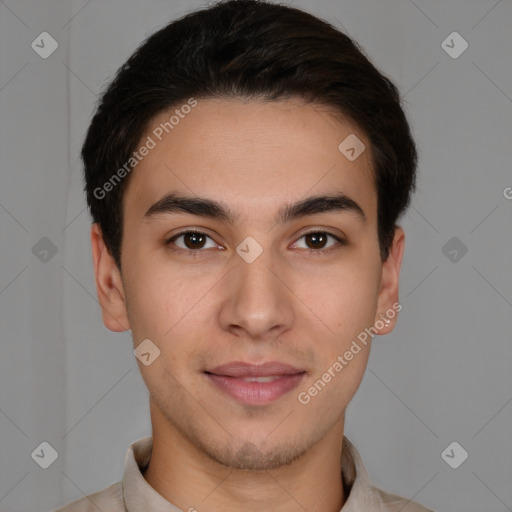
315,241
192,240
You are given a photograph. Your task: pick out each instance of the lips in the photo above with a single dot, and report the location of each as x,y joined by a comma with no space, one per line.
255,384
241,369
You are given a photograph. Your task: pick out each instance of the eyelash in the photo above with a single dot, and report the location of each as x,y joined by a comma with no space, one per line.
195,253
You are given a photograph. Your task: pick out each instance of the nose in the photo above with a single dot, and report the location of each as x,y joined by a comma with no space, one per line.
258,303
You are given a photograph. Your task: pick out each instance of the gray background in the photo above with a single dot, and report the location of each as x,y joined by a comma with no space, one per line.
443,375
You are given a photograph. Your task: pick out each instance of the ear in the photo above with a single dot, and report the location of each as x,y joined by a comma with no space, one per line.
388,304
109,285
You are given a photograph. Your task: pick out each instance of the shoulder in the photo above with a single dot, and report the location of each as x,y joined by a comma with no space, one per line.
109,500
394,503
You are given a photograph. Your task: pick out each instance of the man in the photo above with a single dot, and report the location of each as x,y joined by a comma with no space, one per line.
245,172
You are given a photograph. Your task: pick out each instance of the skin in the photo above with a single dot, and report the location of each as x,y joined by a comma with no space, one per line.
291,304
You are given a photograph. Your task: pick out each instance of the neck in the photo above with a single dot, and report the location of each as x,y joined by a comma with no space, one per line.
190,480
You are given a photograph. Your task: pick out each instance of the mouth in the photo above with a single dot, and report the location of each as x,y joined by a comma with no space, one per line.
255,384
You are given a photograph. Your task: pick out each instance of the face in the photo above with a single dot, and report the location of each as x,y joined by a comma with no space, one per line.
256,312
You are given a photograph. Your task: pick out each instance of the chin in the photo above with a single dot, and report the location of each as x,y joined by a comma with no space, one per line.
250,457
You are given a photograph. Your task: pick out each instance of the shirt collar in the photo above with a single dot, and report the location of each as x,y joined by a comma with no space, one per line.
139,495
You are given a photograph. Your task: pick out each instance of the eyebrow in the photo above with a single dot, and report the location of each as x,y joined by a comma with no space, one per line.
203,207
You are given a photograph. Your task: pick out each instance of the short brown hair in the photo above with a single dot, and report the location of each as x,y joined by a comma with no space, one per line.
248,49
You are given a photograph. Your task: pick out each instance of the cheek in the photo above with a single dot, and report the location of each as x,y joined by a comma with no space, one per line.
160,298
331,387
344,297
173,312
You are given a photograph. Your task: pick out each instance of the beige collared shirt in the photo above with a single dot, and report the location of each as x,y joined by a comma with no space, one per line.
134,494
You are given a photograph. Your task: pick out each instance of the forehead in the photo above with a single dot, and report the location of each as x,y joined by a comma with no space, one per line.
249,154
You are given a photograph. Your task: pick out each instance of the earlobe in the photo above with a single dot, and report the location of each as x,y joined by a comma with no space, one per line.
388,304
109,285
